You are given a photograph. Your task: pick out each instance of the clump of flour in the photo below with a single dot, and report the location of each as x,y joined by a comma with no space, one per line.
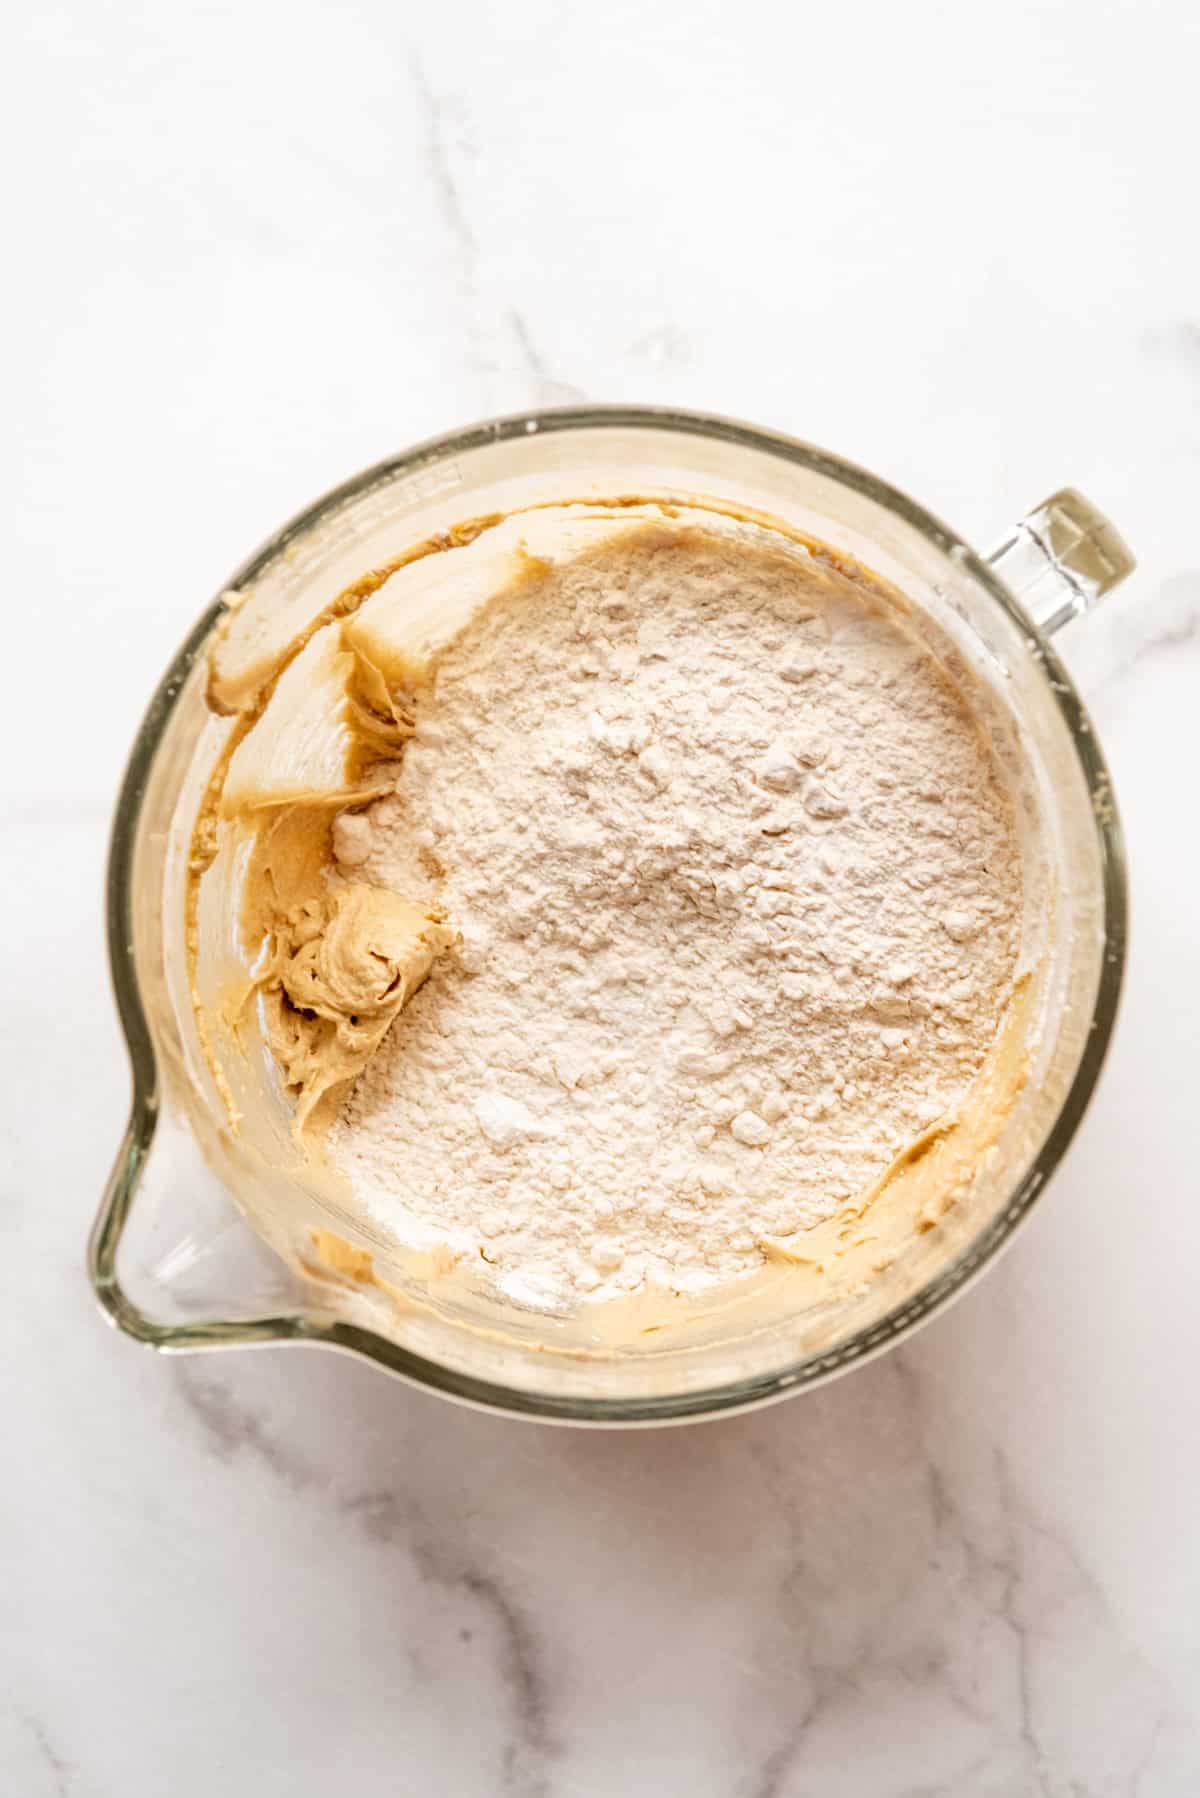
739,901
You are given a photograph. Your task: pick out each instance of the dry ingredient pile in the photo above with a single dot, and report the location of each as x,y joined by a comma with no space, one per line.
739,901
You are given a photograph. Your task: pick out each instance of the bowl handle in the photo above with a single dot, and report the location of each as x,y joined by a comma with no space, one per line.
1061,558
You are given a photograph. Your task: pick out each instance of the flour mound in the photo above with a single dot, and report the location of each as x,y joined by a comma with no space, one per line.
739,901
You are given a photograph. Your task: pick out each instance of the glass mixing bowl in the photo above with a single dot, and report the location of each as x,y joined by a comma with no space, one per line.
173,1258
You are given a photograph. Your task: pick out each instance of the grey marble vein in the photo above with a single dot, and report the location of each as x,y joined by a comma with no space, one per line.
231,1427
1133,628
391,1517
62,1771
1175,620
549,389
1024,1575
440,164
504,353
963,1603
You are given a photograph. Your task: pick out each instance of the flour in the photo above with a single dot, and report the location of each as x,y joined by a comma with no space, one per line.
739,901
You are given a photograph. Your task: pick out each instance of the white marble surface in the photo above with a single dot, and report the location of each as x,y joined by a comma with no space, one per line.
251,248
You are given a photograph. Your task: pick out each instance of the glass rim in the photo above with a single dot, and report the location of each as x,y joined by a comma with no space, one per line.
730,1396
